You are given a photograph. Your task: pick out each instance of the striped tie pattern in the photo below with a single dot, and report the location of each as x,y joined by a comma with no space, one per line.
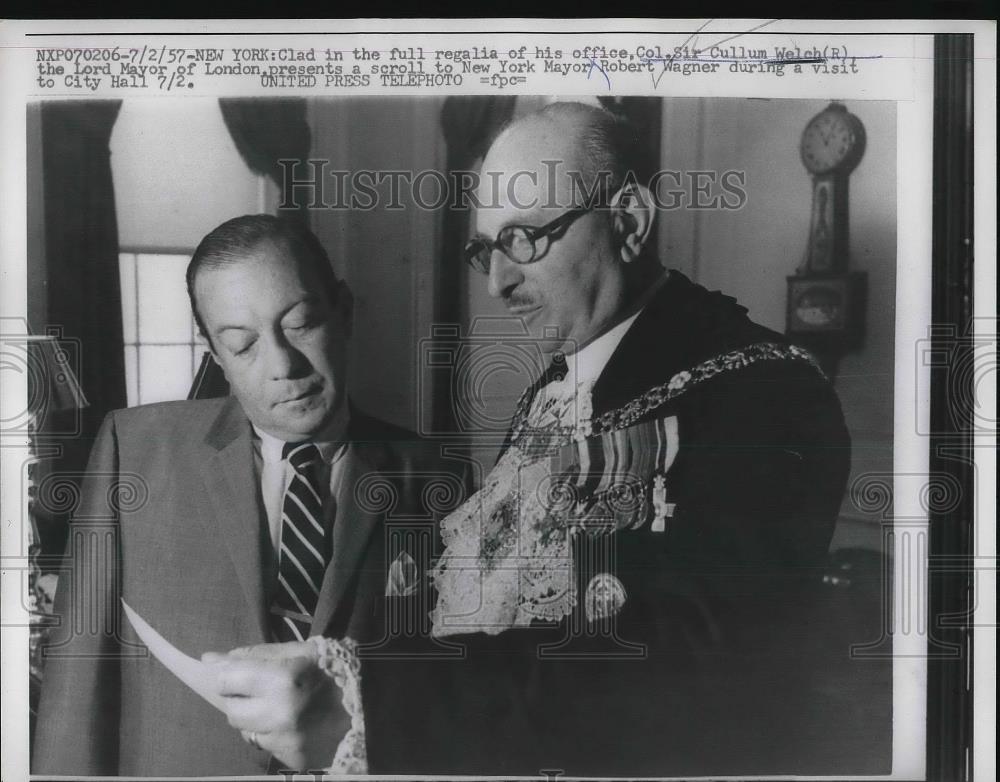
302,557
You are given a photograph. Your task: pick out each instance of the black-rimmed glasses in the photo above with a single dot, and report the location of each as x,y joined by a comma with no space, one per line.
520,243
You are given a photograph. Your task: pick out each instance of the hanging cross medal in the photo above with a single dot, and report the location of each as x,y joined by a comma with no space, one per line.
662,510
668,443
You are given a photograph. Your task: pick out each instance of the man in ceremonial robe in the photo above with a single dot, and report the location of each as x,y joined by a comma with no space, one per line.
229,523
633,585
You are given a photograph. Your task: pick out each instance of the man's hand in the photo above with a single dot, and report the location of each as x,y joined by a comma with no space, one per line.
278,693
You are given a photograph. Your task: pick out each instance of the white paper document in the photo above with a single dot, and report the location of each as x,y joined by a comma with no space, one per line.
194,673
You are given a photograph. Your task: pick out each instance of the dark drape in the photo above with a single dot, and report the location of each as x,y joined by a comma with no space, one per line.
469,124
266,131
81,241
82,282
644,115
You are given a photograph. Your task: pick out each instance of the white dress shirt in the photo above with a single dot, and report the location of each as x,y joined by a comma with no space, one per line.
566,403
275,473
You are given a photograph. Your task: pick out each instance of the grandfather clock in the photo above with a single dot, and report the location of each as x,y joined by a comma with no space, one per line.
826,301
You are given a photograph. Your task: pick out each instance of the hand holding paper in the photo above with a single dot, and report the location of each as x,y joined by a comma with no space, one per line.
279,693
194,674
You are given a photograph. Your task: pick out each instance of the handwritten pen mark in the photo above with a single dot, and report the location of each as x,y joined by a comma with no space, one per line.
669,59
738,35
763,60
593,64
693,57
819,60
693,36
799,61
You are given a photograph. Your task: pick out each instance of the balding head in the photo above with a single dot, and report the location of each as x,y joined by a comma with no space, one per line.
595,150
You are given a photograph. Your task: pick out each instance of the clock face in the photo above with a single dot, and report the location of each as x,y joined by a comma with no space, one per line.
820,308
829,140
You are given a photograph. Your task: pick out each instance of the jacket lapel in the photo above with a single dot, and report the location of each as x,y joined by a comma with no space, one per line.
232,485
352,527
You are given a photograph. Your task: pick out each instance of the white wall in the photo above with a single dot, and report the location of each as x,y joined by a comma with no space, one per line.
177,173
748,253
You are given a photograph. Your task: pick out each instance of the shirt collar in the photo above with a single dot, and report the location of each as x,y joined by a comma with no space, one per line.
331,441
587,363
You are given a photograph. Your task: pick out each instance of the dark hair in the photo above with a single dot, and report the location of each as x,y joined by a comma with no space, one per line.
235,239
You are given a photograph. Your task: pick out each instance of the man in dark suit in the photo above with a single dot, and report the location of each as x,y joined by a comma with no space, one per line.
229,523
645,618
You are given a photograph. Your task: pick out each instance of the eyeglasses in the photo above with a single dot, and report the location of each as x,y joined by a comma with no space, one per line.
520,243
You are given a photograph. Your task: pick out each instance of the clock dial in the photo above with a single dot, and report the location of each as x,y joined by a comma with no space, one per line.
829,141
820,308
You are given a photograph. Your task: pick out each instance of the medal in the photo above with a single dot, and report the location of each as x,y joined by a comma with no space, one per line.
604,597
662,510
667,447
660,505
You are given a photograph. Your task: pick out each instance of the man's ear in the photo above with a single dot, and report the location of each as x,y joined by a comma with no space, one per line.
343,305
634,216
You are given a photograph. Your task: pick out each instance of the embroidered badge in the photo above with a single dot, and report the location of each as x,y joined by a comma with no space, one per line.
605,597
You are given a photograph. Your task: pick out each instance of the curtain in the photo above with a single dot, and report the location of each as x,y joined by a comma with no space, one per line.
469,124
83,291
81,241
83,303
644,115
267,130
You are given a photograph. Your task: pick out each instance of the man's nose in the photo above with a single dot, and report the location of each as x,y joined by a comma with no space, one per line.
284,360
505,275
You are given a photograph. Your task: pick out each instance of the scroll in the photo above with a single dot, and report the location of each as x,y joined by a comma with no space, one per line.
194,673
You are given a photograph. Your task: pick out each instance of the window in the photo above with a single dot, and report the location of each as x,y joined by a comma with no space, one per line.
162,347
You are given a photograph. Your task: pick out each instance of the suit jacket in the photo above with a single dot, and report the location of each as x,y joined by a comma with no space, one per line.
705,671
171,520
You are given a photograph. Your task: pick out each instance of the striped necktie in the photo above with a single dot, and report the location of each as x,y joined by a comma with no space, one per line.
302,556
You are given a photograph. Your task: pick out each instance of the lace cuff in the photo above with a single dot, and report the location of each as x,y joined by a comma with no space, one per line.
338,659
